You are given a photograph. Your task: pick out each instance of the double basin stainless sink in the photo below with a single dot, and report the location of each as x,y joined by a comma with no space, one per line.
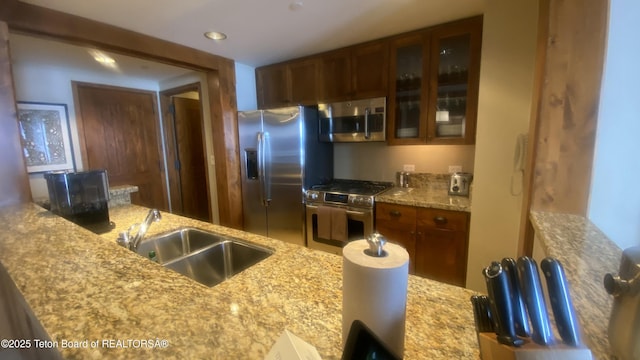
204,256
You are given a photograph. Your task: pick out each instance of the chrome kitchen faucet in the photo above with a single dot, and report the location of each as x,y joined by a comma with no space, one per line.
125,238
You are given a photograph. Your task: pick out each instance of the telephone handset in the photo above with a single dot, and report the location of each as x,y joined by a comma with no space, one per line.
519,158
520,152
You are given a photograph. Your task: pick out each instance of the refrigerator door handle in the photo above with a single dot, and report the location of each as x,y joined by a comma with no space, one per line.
266,143
260,150
367,133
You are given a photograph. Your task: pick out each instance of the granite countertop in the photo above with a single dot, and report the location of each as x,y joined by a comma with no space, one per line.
425,197
586,255
427,190
82,286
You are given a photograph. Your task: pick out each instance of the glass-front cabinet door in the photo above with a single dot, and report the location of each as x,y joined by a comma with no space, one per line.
454,76
434,76
407,120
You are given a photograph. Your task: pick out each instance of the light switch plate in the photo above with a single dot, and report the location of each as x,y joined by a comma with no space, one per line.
408,167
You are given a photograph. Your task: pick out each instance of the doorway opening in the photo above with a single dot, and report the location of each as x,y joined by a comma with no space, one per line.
185,151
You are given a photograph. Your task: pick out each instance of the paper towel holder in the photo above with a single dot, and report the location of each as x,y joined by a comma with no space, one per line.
376,245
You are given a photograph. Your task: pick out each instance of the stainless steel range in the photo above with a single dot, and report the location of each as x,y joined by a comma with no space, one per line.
341,211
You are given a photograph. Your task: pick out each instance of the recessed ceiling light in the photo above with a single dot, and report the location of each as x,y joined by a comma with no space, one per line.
215,35
102,58
295,5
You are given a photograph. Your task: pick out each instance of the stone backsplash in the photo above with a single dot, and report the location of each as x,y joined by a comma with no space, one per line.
432,182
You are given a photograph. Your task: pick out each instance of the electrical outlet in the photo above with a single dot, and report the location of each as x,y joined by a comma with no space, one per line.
408,167
455,168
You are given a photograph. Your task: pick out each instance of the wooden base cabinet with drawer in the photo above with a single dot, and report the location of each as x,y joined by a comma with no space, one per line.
436,240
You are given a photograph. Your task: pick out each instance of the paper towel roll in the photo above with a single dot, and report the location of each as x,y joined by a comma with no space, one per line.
374,291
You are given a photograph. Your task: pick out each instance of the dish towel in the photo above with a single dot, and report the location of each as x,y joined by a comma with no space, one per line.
332,223
339,224
324,222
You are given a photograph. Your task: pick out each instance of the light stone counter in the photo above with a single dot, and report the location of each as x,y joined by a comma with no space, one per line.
82,286
586,255
121,195
427,190
425,197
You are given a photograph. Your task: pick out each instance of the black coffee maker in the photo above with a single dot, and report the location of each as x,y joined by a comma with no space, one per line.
81,197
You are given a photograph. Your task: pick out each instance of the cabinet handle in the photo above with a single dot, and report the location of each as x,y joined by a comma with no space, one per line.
441,220
394,213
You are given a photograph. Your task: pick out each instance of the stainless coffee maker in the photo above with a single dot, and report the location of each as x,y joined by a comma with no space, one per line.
81,197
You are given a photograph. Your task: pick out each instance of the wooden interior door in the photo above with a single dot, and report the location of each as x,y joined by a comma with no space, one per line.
191,165
119,132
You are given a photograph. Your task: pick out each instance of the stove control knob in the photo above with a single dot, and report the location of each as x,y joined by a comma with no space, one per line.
312,195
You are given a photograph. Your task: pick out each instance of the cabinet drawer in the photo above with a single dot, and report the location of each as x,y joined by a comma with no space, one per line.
443,219
397,214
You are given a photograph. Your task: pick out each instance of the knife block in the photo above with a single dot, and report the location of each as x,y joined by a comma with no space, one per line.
491,349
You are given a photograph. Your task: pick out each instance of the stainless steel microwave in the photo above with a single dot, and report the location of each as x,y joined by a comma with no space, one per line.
353,121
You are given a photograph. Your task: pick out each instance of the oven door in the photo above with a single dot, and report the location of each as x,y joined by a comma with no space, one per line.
359,226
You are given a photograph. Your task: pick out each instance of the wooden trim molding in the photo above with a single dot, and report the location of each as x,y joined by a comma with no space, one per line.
525,243
220,72
566,96
14,181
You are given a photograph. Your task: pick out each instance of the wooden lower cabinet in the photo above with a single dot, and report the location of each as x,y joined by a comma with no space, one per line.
436,240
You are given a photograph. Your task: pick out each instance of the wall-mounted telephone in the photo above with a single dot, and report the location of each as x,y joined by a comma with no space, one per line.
520,152
519,159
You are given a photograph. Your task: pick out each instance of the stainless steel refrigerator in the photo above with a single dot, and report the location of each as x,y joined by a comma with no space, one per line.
281,157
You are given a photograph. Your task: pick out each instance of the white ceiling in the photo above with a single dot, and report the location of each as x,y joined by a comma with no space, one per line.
262,32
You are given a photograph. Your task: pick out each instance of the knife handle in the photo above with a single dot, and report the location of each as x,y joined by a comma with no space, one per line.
561,304
482,313
534,299
520,318
500,301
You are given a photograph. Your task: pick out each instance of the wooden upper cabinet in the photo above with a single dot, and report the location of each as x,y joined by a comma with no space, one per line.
335,75
287,84
303,81
408,89
429,76
454,77
434,76
272,86
356,72
370,63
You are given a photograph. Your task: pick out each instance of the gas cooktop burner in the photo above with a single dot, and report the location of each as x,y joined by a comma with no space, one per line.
356,187
340,192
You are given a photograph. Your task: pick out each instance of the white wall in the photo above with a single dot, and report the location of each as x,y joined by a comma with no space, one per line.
379,162
614,202
246,87
506,80
52,84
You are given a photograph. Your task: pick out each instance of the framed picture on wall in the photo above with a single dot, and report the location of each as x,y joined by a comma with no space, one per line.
45,135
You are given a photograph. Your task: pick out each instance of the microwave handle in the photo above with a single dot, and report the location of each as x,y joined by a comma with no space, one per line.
330,108
367,133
